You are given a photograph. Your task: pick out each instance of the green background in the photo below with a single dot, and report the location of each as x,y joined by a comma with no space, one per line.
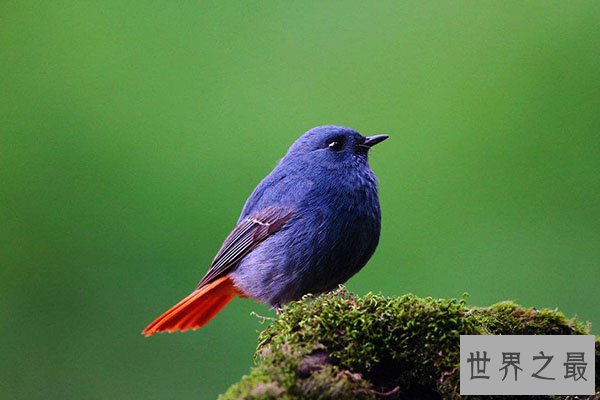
132,132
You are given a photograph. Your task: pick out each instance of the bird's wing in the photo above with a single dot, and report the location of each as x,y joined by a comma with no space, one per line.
248,234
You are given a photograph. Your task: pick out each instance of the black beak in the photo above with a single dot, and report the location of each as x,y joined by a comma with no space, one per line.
371,141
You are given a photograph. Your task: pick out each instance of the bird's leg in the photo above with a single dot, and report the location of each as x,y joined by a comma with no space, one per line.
277,308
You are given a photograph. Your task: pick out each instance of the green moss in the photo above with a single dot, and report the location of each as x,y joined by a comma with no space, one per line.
340,346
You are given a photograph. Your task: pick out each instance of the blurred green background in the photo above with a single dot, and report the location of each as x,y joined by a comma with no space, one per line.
132,132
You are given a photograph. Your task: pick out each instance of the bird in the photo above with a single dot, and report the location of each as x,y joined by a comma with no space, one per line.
308,226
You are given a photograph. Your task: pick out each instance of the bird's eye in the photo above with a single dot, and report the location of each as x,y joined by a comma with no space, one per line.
336,144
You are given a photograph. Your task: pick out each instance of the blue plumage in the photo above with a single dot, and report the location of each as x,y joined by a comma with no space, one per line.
328,193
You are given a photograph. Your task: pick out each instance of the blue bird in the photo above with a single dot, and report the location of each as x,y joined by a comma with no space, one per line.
310,225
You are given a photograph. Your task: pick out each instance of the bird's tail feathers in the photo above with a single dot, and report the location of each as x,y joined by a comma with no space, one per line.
195,310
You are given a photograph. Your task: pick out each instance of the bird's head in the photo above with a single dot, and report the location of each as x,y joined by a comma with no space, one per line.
333,147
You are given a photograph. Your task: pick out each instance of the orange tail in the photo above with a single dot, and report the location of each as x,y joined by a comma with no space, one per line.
195,310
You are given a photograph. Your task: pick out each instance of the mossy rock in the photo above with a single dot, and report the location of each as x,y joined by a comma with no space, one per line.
341,346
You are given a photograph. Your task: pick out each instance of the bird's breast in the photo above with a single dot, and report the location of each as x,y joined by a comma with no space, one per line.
331,236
